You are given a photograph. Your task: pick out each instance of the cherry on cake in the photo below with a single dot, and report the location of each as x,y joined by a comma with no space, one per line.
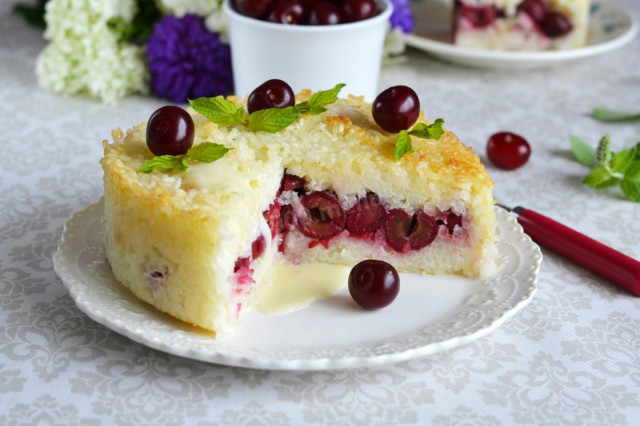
521,24
194,234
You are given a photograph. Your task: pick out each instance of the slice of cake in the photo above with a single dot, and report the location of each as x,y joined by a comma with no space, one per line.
520,24
328,188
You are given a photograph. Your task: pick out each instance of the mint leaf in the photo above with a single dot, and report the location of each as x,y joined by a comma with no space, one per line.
620,161
273,120
582,152
631,190
608,115
162,162
317,102
207,152
403,144
598,177
603,151
432,131
219,111
633,171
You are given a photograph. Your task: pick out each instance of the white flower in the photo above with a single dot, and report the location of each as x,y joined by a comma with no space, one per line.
394,46
85,56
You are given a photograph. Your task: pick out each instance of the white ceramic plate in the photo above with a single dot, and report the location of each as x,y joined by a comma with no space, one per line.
430,314
610,27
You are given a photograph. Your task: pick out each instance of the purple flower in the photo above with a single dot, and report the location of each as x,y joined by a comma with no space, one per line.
401,16
188,61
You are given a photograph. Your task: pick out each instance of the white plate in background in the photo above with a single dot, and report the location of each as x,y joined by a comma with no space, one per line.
610,27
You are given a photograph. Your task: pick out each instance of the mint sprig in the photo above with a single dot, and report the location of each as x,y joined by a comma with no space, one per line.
609,115
317,102
206,152
421,130
225,113
610,168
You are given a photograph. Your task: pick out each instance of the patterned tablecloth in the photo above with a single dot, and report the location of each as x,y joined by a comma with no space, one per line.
572,356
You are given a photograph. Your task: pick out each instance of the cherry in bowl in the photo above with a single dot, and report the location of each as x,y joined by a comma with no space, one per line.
373,284
508,150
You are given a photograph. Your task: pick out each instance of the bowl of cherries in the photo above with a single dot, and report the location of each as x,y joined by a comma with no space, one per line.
311,44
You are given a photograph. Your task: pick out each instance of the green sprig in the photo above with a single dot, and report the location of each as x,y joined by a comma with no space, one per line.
609,168
206,152
421,130
225,113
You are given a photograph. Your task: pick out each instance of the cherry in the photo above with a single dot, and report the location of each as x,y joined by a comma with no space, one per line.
555,24
272,93
358,10
170,131
396,108
323,217
534,8
450,220
292,183
404,232
288,12
479,16
507,150
272,216
324,13
258,9
373,284
366,216
258,247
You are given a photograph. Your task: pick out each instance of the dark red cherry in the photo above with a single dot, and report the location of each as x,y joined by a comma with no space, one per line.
288,12
258,247
396,108
534,8
404,232
324,13
271,94
170,131
508,150
357,10
292,183
258,9
366,216
555,24
272,216
479,16
373,284
323,217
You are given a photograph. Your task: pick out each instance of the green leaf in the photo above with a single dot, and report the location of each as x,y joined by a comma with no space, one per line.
403,144
622,160
317,102
598,176
582,152
608,115
273,120
631,190
162,162
219,111
207,152
633,171
432,131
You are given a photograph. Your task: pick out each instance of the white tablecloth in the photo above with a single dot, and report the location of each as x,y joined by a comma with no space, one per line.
572,356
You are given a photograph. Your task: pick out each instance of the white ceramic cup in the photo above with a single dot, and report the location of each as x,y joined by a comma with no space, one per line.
308,57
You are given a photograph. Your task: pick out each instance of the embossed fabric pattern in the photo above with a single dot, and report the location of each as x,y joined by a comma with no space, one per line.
570,357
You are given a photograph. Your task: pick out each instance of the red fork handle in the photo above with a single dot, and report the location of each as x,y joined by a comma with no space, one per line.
589,253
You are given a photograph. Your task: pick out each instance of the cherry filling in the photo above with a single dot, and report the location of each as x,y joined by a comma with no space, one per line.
551,23
320,216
